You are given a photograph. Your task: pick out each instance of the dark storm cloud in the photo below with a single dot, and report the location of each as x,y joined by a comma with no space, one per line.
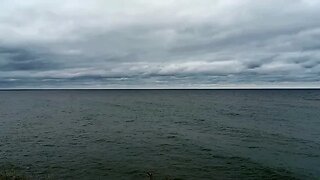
13,59
146,43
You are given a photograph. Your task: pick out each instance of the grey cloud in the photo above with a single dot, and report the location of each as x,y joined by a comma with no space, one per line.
147,43
15,59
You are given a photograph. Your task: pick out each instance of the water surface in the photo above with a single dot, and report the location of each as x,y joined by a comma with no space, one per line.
186,134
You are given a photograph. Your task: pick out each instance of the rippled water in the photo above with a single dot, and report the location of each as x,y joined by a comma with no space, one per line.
185,134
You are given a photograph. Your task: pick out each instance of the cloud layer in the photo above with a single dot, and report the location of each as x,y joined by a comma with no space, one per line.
149,43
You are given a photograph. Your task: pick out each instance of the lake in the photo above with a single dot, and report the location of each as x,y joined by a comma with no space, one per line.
182,134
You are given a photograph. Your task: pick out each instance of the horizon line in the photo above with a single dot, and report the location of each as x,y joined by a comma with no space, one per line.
222,88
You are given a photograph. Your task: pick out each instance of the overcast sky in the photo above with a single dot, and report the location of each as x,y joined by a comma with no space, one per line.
159,43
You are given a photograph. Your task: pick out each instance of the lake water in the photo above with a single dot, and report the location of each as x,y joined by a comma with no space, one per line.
183,134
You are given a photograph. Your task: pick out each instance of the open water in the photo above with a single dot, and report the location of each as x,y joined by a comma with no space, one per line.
182,134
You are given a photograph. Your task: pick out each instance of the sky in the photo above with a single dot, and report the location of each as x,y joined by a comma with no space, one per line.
159,43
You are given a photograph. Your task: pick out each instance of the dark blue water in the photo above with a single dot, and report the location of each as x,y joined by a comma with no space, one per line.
184,134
